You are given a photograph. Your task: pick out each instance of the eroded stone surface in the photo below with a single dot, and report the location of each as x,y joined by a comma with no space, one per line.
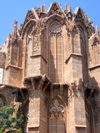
51,71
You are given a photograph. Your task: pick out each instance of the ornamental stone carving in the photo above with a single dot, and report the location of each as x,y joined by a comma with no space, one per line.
36,44
55,27
55,9
56,108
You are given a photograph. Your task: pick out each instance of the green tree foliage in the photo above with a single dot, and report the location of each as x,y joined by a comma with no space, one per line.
9,120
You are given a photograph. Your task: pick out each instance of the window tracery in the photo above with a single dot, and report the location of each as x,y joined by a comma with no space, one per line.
56,119
36,44
55,27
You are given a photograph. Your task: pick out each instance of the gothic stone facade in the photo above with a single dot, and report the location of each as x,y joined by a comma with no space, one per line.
50,70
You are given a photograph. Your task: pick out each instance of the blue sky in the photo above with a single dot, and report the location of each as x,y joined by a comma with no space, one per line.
17,9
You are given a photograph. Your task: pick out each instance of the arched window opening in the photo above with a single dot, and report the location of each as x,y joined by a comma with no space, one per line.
56,118
56,52
84,56
75,42
29,55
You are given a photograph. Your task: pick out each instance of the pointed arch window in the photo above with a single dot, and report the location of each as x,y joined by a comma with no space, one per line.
56,118
75,42
56,52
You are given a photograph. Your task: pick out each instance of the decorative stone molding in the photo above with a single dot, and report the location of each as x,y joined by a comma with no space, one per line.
55,9
55,27
56,108
39,82
76,85
95,42
58,86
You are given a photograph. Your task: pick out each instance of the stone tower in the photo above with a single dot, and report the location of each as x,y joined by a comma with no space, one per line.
50,69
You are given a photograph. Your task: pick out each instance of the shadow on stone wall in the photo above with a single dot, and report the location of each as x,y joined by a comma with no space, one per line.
93,83
95,103
23,97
